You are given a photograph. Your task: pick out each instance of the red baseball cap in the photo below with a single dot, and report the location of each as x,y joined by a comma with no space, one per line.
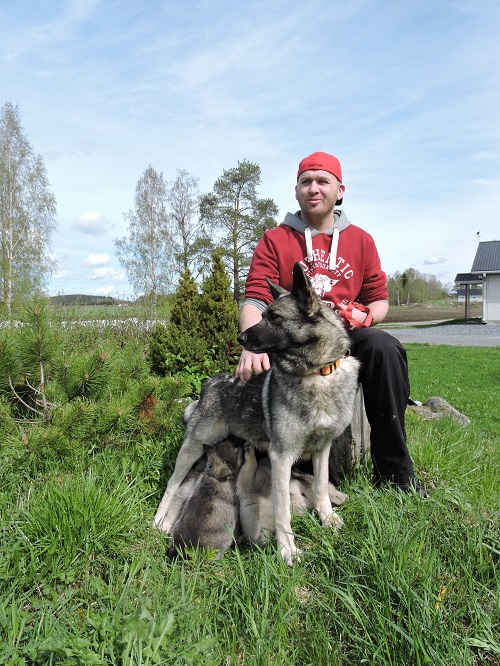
323,162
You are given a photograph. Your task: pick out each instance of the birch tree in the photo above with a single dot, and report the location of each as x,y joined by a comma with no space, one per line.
192,246
147,253
27,213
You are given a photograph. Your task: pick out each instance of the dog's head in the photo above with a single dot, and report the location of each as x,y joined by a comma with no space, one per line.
296,327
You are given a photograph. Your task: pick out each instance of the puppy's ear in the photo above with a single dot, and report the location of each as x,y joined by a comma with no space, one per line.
303,289
275,289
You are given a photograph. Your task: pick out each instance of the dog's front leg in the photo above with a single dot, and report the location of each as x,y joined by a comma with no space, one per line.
322,502
189,453
281,469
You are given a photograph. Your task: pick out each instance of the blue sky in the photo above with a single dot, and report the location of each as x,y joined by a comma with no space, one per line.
406,94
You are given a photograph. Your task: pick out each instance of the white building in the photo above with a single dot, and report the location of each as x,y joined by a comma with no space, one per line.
486,271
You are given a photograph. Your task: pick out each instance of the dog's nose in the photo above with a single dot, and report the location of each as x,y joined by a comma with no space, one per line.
242,338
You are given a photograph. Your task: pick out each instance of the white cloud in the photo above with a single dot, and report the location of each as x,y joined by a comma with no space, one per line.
106,273
97,259
432,261
92,223
61,275
104,291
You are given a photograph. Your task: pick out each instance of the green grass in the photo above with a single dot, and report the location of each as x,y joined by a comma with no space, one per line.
84,580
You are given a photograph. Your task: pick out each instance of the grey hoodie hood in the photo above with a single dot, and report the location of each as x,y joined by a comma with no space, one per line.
341,222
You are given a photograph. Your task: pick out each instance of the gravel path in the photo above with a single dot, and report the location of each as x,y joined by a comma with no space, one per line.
466,335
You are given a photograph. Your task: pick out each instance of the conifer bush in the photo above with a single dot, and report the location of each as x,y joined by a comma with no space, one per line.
201,335
59,404
180,344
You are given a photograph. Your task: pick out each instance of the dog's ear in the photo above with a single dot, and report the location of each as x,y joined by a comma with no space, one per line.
303,289
275,289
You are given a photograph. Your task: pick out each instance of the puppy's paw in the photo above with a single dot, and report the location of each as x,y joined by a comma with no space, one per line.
337,498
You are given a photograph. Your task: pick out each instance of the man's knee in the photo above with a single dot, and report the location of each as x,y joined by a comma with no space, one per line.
373,341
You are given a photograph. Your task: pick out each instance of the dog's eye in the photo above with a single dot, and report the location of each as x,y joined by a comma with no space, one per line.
273,316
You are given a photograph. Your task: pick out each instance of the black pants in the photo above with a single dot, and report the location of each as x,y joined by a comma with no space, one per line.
386,389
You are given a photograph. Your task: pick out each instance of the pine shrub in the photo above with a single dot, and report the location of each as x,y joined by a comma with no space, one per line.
59,404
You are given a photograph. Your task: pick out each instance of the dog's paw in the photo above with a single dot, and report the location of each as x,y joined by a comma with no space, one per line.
161,523
334,521
291,555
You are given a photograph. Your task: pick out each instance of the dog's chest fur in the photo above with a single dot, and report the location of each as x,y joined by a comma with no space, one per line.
318,407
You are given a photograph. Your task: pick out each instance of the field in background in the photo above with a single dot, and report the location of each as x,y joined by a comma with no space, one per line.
432,312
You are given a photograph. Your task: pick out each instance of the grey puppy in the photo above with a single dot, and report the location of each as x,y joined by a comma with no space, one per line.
254,492
209,518
303,402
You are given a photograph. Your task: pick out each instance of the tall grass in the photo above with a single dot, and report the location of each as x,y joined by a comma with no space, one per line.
85,580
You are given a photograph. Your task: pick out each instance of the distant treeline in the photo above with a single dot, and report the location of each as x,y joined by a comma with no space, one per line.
83,299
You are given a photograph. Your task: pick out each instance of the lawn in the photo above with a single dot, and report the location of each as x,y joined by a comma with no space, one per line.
84,579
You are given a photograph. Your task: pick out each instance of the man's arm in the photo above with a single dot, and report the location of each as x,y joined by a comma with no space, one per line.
379,310
250,315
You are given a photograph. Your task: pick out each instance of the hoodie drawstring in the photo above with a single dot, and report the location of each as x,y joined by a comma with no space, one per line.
309,243
333,248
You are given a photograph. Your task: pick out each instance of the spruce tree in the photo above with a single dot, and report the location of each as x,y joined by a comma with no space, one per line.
219,314
181,343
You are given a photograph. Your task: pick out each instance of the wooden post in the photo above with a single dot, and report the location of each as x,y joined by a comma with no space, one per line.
467,302
353,445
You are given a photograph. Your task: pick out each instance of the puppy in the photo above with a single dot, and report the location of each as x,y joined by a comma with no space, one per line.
185,490
209,518
253,488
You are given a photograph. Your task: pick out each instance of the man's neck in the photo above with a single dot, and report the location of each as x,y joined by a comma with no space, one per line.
319,223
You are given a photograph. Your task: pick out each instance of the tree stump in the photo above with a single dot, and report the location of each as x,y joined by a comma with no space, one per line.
352,447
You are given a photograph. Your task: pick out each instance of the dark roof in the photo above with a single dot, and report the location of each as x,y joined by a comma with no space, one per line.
468,278
472,292
487,257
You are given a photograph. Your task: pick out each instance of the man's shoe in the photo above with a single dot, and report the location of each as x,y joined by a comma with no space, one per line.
414,488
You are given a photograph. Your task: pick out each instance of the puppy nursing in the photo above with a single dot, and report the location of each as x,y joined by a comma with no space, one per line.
209,516
223,500
255,497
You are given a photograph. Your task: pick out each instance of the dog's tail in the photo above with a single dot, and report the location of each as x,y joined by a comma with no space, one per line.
188,412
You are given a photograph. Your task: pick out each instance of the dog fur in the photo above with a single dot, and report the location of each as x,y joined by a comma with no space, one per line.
288,411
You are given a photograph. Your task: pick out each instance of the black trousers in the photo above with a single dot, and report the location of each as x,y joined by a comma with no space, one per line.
386,389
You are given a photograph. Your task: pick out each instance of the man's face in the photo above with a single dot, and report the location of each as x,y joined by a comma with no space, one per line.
317,192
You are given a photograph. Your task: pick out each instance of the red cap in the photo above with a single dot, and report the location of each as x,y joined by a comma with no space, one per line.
323,162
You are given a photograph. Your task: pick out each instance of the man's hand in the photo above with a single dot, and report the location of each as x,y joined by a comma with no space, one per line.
377,308
251,363
355,314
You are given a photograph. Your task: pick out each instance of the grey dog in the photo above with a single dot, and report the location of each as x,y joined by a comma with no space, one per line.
297,407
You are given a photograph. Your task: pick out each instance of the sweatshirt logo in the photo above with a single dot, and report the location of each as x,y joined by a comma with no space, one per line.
322,284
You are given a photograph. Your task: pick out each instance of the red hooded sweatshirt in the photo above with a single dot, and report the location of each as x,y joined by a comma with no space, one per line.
342,265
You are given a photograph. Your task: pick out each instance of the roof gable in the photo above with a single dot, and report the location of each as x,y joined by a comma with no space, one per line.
487,257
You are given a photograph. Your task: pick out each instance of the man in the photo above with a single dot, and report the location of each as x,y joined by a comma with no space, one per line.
343,265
